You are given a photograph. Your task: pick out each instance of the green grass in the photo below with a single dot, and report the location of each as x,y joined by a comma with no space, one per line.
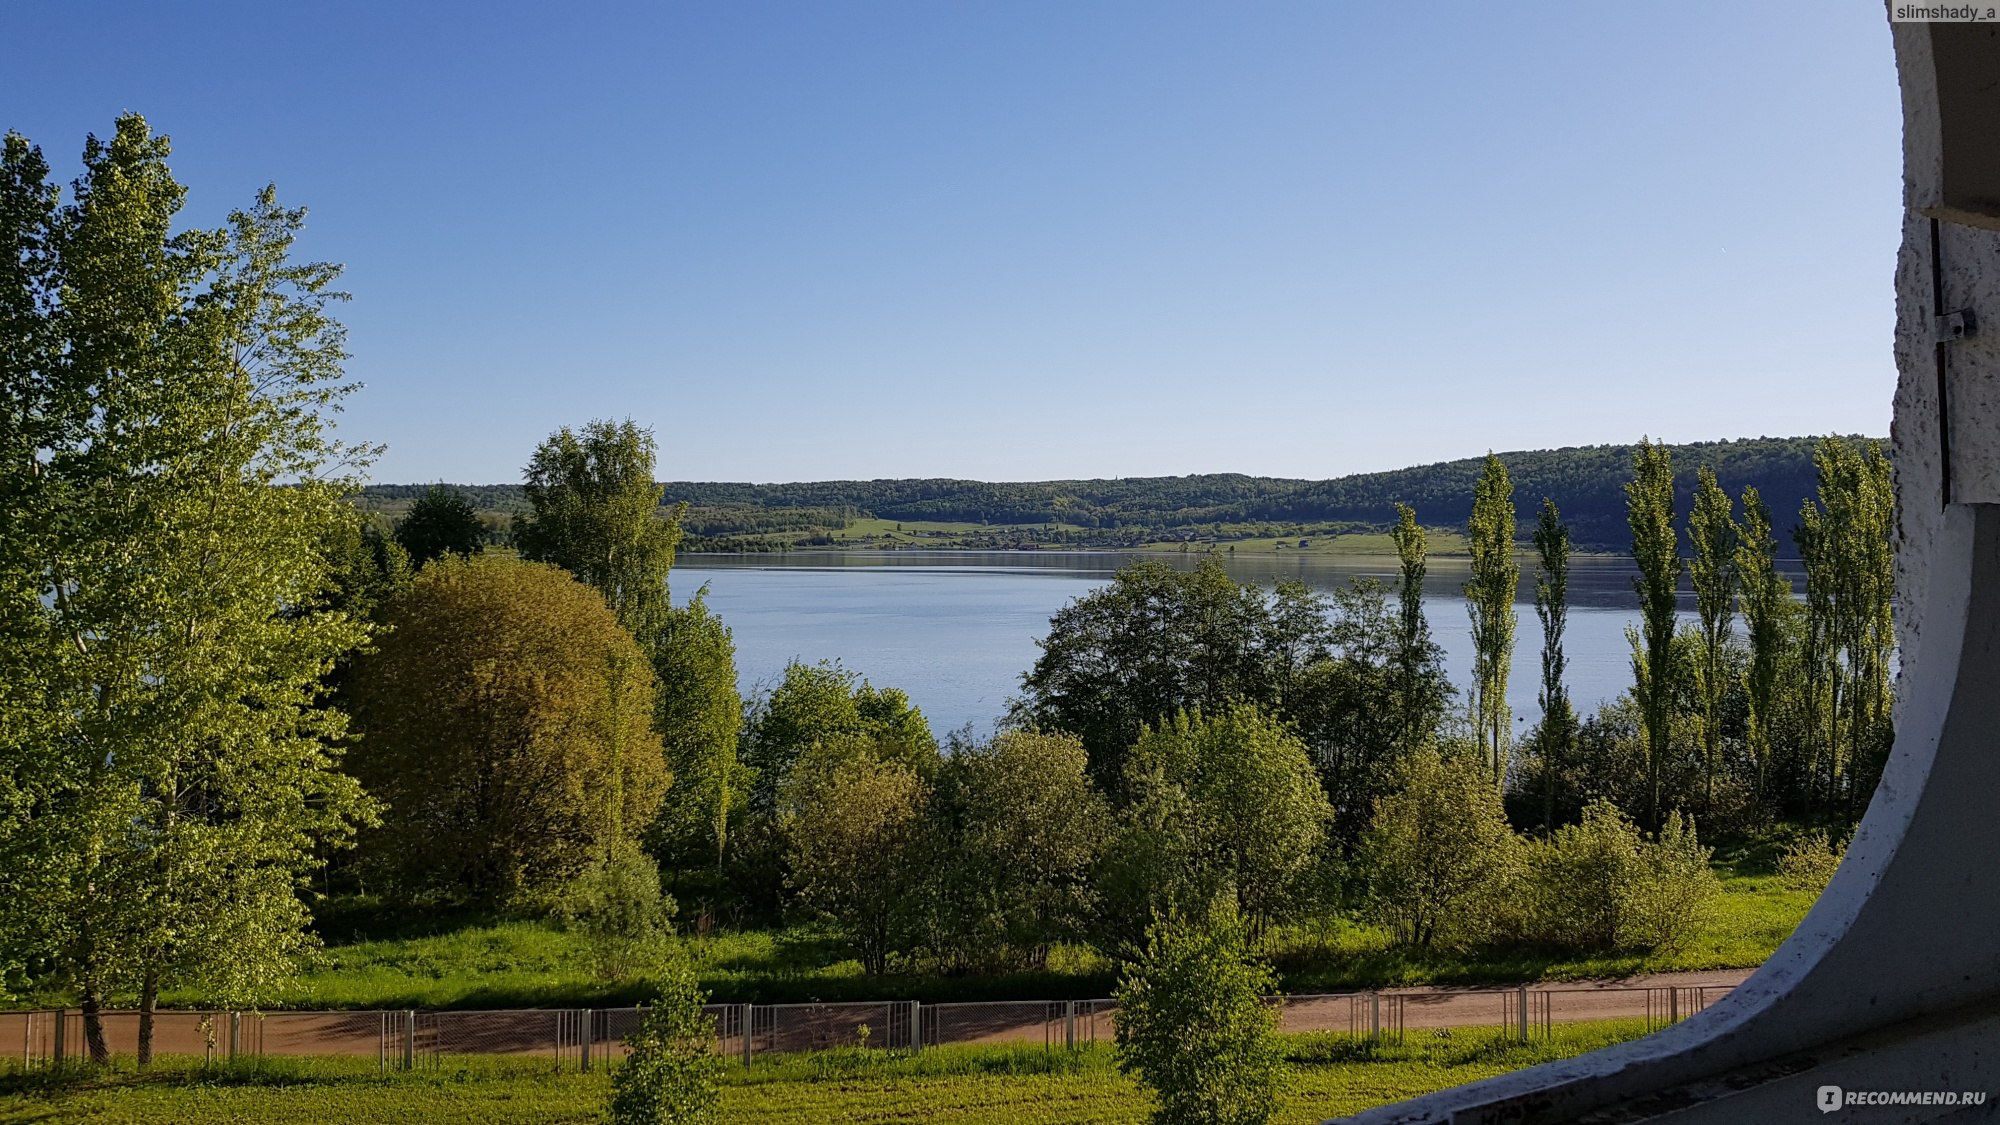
1330,1075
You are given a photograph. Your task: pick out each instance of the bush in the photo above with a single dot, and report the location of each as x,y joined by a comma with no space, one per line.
618,908
1601,885
1193,1025
671,1076
1808,863
1440,858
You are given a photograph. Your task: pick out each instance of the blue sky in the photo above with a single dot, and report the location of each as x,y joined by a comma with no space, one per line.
1025,240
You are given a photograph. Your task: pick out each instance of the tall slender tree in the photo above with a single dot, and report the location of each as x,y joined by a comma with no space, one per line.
1558,729
1649,508
1764,597
165,483
1712,539
1489,598
1421,688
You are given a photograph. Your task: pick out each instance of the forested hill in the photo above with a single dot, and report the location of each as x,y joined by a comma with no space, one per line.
1586,482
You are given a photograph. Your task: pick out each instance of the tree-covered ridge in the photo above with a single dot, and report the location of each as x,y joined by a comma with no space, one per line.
1586,482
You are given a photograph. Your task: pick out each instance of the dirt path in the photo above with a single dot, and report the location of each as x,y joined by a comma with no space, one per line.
553,1033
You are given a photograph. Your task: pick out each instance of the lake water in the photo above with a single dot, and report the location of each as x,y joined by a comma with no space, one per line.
956,629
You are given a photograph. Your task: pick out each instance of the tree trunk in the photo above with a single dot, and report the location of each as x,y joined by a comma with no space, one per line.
93,1026
149,1000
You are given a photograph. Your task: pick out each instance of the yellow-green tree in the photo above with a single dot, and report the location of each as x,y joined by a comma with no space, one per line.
506,720
1712,539
1650,512
167,777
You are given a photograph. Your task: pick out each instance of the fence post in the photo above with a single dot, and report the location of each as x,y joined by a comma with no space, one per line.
410,1039
583,1019
1069,1018
235,1034
62,1023
916,1026
382,1043
1375,1016
1524,1013
748,1045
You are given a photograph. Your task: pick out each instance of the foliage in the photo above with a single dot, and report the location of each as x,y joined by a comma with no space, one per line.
1555,736
698,716
1225,805
1193,1025
854,829
593,510
166,776
506,719
1713,540
1021,829
1808,863
1489,598
618,908
1650,511
1157,641
1770,623
1440,858
672,1076
825,705
1601,885
441,522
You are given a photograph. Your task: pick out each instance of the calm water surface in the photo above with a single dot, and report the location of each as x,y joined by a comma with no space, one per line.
956,629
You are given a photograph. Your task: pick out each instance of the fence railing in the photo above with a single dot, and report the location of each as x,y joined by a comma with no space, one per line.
580,1038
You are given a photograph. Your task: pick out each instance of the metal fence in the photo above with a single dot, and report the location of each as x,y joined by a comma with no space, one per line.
579,1038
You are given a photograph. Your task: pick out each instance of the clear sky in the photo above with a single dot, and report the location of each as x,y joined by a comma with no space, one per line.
1016,240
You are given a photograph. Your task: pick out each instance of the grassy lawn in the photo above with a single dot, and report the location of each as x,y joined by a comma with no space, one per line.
1330,1075
479,963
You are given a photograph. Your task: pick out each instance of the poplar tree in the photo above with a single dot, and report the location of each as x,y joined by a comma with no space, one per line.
1649,508
1558,727
1764,597
165,487
1712,539
1420,684
1489,599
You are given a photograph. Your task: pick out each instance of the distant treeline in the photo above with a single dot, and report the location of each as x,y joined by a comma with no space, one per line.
1586,482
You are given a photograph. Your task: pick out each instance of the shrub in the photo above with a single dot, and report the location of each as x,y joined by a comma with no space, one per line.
671,1076
1808,863
618,908
1193,1025
1602,885
1439,856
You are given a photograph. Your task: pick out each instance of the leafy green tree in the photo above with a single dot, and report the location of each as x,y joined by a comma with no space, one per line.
1557,732
1224,804
441,522
1194,1027
167,778
1770,613
1157,641
1489,598
825,705
672,1075
1022,829
1845,543
1422,687
1650,511
699,717
1440,857
1712,539
854,826
506,718
594,510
